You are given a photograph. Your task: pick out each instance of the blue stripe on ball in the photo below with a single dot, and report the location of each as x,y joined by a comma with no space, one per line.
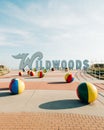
14,87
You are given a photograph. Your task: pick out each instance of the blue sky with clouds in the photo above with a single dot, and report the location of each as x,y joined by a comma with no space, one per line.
60,29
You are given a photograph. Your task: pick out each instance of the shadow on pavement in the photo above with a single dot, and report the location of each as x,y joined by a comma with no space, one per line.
62,104
32,77
61,82
6,94
4,88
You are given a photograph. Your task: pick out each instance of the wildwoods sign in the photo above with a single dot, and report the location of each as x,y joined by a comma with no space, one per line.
36,62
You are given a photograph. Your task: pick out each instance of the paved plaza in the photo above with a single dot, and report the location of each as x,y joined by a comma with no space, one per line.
49,103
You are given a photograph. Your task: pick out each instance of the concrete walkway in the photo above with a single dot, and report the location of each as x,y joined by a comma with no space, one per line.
49,101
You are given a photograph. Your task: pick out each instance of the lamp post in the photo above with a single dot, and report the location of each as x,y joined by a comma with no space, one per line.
99,71
92,67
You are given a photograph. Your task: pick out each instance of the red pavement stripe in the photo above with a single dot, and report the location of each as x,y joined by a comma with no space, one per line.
45,85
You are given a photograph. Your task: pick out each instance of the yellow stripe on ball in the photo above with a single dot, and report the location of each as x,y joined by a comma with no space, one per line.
66,76
92,92
21,86
39,74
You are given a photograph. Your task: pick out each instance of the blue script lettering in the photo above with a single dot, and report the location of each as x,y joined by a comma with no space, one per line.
26,61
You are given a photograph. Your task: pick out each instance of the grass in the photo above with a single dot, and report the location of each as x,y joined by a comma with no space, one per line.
4,71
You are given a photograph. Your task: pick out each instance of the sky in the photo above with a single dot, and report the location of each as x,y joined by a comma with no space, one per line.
60,29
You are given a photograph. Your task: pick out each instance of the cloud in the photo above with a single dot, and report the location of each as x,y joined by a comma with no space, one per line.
62,29
53,22
56,15
12,37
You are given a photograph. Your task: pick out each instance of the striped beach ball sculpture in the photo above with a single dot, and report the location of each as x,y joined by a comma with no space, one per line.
35,69
69,77
40,74
66,69
28,72
87,92
20,73
32,73
16,86
53,69
44,70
